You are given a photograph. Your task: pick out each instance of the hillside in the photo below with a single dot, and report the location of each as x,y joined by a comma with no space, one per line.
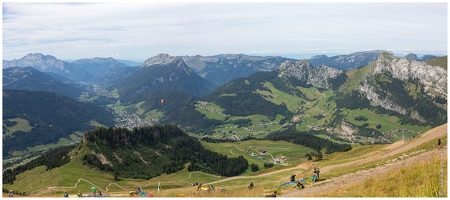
221,69
159,73
104,71
354,180
141,153
32,118
377,103
338,171
156,150
28,78
438,61
346,62
48,63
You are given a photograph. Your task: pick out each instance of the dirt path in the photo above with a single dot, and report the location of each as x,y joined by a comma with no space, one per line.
363,175
306,165
395,148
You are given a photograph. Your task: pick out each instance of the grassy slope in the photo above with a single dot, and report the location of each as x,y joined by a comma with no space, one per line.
316,103
418,180
439,61
66,177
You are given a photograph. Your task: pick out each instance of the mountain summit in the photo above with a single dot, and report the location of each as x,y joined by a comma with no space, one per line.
163,72
48,63
161,59
37,61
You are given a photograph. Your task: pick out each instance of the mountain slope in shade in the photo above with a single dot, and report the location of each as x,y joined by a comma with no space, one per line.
163,72
97,65
50,117
48,63
28,78
221,69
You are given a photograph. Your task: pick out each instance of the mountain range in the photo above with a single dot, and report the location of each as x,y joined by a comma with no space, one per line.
198,94
28,78
173,114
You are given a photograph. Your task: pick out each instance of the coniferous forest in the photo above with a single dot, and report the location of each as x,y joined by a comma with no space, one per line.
146,152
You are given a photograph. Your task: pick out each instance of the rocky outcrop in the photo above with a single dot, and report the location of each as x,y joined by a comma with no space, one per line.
305,72
48,63
162,59
433,78
376,100
38,61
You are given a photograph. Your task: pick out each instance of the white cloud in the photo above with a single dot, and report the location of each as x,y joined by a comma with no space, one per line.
142,30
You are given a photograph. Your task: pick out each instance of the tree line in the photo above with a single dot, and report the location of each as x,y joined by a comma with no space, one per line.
52,159
308,139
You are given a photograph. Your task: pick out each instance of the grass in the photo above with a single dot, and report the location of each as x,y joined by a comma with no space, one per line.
22,125
387,122
294,153
418,180
173,185
377,149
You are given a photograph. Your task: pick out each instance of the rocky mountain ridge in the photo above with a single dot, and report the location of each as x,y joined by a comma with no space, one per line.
161,59
220,69
304,71
346,62
413,80
433,78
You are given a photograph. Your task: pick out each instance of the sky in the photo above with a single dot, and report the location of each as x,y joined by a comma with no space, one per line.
138,31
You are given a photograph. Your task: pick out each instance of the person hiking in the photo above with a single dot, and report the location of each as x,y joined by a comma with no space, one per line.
10,194
292,177
79,194
251,185
439,143
65,194
199,186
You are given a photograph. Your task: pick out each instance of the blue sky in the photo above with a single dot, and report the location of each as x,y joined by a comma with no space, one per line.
137,31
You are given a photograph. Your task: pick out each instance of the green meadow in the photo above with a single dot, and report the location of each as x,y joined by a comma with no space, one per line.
22,125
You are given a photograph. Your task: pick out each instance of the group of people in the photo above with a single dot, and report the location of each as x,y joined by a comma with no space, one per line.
79,194
210,188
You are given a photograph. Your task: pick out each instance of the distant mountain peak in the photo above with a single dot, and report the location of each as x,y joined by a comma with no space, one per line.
36,60
162,59
39,56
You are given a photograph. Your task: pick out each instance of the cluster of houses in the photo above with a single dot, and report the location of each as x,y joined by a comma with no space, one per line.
279,160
